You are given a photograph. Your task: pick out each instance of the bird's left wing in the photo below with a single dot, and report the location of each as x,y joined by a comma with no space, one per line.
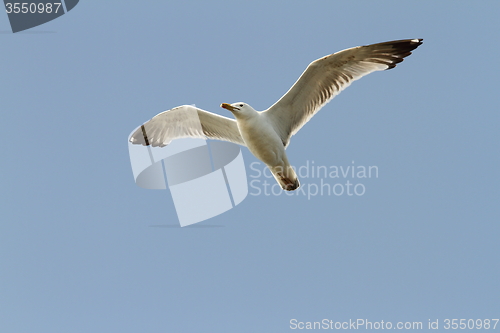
186,122
326,77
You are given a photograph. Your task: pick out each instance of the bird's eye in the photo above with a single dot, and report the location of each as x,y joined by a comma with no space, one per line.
241,105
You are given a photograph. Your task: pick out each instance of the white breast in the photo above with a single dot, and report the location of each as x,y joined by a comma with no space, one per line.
262,140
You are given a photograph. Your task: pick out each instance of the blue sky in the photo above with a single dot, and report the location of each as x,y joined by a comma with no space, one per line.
83,249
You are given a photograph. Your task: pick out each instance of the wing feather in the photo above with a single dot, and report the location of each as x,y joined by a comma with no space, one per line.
186,122
326,77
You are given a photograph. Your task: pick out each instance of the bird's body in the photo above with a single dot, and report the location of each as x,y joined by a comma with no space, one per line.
261,138
264,142
267,133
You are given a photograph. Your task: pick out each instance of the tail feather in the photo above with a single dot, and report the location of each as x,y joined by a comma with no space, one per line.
287,178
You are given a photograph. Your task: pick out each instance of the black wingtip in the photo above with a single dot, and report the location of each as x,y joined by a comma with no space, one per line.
145,136
401,49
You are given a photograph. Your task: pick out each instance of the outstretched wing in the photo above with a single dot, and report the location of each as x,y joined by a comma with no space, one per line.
186,122
326,77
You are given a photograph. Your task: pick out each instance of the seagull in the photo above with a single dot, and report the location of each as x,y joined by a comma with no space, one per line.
267,133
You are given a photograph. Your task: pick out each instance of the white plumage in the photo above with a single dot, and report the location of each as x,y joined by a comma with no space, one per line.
267,133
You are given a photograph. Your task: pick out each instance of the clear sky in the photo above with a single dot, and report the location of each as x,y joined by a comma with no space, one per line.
84,249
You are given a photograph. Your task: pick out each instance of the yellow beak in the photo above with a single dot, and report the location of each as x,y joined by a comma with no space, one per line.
228,107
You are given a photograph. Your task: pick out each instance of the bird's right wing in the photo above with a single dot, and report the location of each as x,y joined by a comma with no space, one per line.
326,77
186,121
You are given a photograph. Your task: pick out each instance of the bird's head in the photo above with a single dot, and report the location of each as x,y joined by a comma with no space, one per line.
239,109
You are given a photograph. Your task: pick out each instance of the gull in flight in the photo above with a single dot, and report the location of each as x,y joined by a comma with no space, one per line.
267,133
